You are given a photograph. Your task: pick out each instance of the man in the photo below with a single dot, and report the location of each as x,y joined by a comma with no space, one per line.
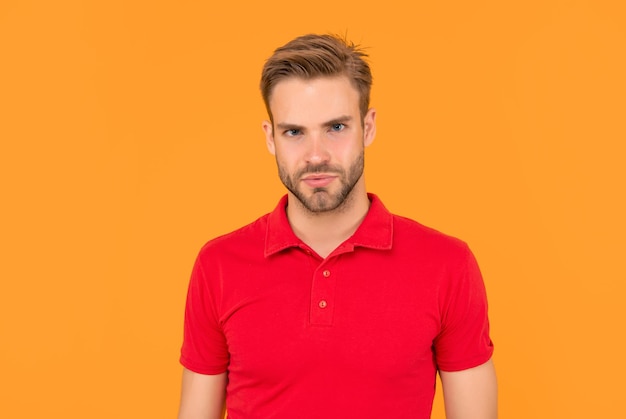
330,306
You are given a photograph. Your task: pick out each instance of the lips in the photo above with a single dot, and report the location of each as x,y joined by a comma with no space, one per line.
318,180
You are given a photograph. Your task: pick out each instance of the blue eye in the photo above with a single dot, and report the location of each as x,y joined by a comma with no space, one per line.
337,127
292,132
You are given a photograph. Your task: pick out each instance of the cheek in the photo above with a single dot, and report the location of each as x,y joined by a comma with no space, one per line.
347,151
289,154
286,161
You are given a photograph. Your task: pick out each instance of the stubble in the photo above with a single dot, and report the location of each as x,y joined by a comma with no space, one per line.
321,200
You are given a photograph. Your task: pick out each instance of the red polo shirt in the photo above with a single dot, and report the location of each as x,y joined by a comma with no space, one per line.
359,334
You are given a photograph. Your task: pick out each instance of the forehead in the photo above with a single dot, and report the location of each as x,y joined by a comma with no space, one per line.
322,98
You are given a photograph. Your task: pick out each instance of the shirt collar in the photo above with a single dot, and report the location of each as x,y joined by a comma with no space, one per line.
375,232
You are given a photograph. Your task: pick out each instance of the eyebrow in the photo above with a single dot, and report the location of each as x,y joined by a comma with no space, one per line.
339,120
287,126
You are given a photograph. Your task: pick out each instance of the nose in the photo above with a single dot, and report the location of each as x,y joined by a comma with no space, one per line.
317,151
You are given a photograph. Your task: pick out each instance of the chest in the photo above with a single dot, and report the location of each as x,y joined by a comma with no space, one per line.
339,316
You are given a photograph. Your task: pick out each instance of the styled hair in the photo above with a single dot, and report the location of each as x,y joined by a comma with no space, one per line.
312,56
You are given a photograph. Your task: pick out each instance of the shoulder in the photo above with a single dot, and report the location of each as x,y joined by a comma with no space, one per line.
430,248
238,241
408,232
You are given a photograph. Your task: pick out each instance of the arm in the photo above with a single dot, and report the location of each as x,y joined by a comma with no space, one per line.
202,396
471,393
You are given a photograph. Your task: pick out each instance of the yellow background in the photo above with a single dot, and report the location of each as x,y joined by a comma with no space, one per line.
130,134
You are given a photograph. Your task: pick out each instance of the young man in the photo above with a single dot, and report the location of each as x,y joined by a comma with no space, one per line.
330,306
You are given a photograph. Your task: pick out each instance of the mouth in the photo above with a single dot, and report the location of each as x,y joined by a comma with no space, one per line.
318,180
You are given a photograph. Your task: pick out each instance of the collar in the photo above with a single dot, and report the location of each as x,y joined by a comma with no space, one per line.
375,232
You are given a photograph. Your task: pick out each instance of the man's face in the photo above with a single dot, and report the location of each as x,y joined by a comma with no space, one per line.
318,139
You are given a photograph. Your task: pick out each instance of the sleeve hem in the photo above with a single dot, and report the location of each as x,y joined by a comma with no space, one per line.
202,369
467,363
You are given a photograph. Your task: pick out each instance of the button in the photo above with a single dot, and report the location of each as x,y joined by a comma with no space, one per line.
326,273
323,304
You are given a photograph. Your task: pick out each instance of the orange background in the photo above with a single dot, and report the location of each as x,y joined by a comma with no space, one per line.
130,134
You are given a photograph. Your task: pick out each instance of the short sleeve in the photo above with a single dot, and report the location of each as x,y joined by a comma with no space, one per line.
463,341
204,348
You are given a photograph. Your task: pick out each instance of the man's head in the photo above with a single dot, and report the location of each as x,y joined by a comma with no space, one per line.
312,56
316,89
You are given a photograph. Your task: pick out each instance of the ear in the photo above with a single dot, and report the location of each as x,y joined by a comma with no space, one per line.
268,129
369,127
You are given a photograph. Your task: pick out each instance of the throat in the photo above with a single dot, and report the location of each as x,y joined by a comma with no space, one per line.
325,240
324,232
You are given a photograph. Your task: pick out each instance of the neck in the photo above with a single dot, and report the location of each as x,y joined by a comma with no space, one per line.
324,231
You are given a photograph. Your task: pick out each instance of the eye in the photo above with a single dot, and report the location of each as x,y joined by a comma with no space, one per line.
337,127
292,132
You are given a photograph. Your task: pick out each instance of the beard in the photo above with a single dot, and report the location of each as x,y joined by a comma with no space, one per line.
322,199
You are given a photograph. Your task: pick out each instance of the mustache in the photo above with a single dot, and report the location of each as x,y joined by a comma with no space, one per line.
319,168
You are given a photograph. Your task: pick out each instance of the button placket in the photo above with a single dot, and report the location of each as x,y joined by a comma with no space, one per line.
323,296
